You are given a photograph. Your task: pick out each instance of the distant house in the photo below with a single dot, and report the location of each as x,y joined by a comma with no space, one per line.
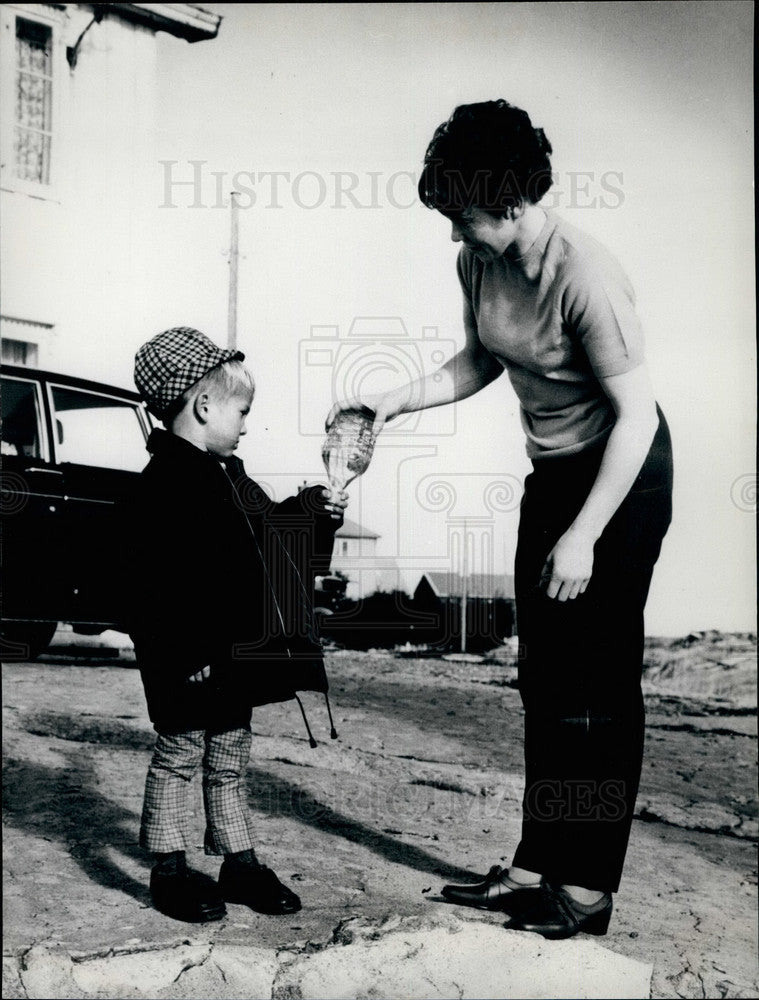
355,555
490,604
353,540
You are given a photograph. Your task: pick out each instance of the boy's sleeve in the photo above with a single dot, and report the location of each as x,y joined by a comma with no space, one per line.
304,525
308,531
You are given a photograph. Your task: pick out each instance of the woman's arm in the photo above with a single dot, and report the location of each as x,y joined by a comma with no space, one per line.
468,371
569,566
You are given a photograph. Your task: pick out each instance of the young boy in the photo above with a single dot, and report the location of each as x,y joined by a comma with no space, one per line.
220,614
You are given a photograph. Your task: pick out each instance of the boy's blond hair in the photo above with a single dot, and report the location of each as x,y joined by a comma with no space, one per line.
231,378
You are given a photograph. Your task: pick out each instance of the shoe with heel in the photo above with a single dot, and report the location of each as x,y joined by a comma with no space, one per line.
258,887
488,894
553,913
185,894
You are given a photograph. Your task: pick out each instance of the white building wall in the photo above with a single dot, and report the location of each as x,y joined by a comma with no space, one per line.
77,254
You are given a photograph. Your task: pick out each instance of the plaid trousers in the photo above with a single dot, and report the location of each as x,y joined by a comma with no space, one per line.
176,758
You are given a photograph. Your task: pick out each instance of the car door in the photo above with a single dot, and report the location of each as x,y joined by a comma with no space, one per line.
99,443
34,574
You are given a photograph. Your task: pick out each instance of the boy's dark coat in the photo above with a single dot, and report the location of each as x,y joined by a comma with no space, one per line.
220,575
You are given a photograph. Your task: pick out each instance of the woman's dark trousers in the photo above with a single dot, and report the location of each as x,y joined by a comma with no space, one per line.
580,669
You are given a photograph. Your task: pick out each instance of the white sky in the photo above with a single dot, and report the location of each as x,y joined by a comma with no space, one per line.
651,101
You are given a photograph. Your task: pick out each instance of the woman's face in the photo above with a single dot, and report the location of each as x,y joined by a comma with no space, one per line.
485,235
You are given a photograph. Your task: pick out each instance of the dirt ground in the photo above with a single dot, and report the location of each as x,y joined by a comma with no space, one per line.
422,787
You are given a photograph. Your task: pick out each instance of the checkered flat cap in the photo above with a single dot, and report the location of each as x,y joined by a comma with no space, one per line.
172,362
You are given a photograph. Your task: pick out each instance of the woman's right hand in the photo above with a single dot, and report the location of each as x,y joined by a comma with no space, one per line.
384,406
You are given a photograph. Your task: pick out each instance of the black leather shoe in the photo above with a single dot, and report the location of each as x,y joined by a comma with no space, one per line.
488,894
186,895
257,887
555,914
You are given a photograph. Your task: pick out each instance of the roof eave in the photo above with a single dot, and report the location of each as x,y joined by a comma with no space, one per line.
183,20
350,529
433,586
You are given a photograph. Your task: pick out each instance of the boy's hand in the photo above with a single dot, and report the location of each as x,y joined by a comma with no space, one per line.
336,502
200,676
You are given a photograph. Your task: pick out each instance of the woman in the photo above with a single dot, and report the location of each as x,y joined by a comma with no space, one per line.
553,307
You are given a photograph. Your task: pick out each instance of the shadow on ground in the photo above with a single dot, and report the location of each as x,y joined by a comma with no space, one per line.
64,804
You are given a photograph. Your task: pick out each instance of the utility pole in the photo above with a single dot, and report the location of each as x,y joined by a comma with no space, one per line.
234,255
464,587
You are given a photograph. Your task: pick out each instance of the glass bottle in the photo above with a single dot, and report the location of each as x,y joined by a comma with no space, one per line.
348,447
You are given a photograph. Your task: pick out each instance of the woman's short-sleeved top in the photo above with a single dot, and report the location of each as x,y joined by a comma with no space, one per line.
558,319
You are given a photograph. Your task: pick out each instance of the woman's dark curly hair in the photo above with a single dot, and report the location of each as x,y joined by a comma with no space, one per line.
487,156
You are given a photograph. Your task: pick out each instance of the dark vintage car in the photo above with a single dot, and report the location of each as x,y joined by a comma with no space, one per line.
71,452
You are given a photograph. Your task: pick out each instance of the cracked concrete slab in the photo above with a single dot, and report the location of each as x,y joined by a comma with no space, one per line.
140,974
47,972
13,988
401,957
418,960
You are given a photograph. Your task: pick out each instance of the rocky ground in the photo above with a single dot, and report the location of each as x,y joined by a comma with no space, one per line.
415,792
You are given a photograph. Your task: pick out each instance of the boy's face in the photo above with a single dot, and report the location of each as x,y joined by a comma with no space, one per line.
225,423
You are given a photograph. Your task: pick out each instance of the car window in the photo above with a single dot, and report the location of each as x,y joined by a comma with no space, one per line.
21,421
90,429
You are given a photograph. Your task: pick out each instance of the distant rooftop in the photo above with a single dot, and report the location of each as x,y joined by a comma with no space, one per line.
488,585
350,529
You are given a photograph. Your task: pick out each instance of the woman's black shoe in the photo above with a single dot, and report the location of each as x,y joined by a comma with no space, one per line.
186,895
555,914
258,887
488,894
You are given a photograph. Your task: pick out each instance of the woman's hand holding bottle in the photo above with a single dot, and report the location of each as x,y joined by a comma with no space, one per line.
383,405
